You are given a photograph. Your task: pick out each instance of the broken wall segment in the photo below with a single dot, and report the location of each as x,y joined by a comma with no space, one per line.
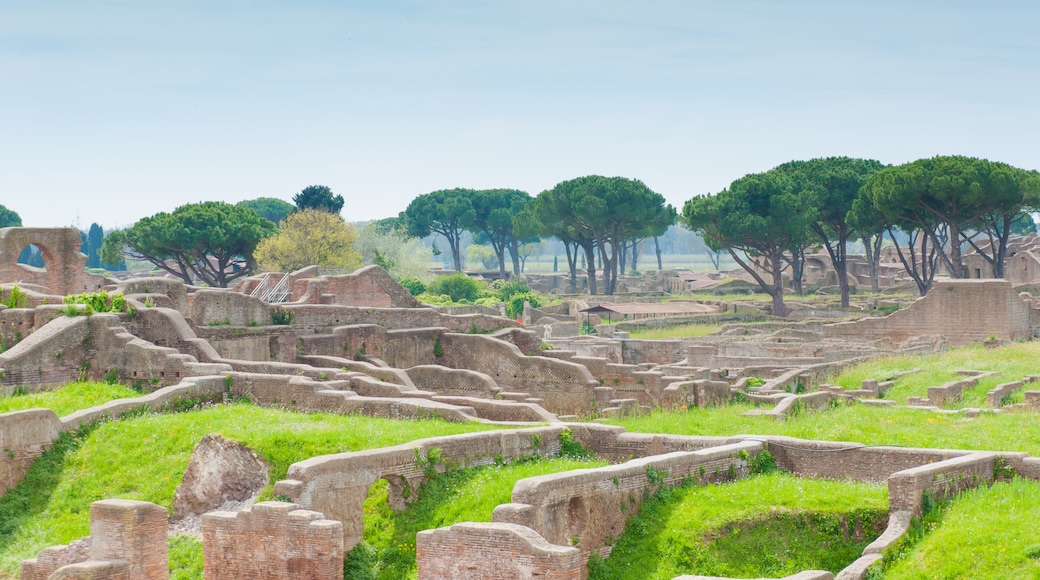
272,540
65,271
127,541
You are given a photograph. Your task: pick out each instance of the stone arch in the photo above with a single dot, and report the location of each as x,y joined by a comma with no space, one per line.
66,266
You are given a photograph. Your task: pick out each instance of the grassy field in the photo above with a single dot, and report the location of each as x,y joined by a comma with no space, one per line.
769,526
856,423
144,459
1012,362
68,399
672,332
982,534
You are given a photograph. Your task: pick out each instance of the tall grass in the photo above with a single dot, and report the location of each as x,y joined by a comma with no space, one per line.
68,399
770,526
144,459
982,534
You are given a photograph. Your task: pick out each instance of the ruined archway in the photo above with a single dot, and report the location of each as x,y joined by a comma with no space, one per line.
65,266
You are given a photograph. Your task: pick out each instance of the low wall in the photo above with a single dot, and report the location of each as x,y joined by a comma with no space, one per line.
940,480
271,540
593,505
468,551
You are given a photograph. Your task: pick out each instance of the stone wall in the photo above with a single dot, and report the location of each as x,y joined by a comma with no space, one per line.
272,540
469,551
960,311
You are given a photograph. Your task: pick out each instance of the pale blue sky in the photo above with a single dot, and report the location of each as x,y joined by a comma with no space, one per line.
111,111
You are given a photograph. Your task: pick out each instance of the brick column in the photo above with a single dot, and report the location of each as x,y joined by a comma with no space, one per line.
134,531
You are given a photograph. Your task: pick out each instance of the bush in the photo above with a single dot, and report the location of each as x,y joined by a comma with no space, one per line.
510,289
99,301
16,299
457,286
515,304
414,286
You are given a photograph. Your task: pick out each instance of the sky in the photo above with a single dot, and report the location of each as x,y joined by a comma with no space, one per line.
113,111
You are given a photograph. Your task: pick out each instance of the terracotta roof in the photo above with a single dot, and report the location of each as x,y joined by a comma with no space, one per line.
652,308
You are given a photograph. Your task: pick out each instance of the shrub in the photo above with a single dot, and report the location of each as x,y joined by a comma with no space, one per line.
414,286
282,316
457,286
510,288
515,304
99,301
16,298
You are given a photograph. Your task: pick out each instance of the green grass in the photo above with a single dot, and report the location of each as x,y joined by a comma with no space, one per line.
1012,362
144,459
770,525
982,534
680,331
68,399
469,495
856,423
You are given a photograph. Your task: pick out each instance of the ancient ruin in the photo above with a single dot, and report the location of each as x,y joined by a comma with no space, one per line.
360,343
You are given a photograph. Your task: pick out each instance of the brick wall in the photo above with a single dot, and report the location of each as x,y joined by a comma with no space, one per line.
24,436
468,551
940,480
593,505
272,540
338,484
961,311
127,541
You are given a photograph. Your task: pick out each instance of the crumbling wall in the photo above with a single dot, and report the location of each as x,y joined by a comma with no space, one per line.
127,542
960,311
272,540
65,271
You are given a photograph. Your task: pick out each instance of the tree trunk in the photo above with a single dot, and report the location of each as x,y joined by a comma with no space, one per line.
590,257
872,249
572,263
657,248
779,309
635,255
514,252
957,264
